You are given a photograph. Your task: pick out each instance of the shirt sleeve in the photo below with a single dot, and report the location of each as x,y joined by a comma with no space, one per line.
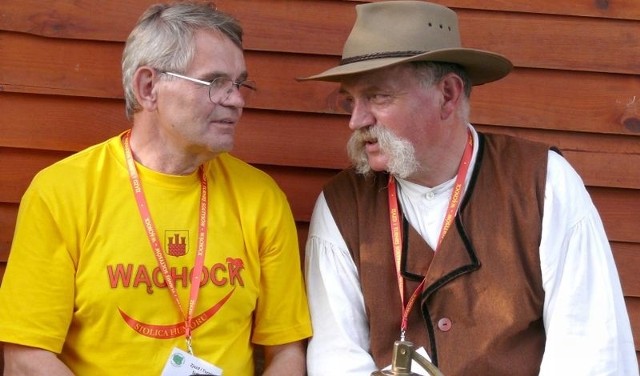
586,321
37,294
340,343
282,314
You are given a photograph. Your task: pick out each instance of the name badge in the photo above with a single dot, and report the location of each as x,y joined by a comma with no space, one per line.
181,363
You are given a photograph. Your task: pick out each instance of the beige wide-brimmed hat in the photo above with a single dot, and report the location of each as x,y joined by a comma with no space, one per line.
393,32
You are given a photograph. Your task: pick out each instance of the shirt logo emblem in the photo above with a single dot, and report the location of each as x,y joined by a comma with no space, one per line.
176,242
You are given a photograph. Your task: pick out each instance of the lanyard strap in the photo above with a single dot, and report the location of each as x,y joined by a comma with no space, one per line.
156,246
396,229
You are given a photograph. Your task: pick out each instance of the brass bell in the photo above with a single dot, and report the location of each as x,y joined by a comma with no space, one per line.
403,354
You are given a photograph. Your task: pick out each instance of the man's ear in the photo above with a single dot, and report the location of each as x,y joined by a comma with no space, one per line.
144,87
452,91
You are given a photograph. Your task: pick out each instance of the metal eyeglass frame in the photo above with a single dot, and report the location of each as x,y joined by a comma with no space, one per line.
221,88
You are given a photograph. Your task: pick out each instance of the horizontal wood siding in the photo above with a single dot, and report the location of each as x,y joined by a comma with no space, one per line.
576,85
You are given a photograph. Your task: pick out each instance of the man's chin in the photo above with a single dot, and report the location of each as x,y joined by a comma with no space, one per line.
375,164
366,169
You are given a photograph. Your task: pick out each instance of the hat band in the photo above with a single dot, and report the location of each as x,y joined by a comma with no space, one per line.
379,55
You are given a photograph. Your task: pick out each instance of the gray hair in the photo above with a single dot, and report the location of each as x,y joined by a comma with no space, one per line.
431,72
163,40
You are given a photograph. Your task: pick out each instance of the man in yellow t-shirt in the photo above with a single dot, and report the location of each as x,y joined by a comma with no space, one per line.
156,248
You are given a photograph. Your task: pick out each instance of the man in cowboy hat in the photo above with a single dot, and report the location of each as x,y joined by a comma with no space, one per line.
485,250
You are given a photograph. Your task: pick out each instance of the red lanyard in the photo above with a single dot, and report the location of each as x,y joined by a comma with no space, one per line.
152,234
396,229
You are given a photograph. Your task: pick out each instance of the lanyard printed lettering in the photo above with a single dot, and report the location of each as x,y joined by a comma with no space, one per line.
396,229
156,246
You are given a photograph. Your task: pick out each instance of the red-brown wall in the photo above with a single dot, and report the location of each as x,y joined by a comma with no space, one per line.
576,85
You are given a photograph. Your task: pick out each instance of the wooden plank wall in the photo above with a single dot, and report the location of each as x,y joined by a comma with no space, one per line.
575,85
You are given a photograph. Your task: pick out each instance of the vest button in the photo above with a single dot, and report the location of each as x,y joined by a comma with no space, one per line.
444,324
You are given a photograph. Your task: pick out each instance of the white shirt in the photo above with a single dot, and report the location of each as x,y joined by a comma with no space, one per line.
585,318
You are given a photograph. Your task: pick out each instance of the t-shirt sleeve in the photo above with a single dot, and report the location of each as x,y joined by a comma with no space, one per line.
37,293
282,314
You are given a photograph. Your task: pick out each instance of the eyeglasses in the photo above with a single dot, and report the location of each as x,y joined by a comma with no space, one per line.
221,87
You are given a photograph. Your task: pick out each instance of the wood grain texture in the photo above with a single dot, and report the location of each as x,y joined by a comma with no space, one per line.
553,35
576,85
541,99
619,9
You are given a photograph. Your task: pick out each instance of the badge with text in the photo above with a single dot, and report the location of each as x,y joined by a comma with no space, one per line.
181,363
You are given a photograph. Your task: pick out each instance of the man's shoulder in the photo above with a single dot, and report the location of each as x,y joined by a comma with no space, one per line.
349,189
89,161
240,174
511,141
350,177
235,166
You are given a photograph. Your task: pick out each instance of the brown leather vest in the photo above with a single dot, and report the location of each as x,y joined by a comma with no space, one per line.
480,311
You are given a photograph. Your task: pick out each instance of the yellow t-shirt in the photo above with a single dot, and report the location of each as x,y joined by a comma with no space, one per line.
82,279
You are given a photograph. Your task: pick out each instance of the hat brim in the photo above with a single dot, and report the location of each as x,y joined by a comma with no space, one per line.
481,66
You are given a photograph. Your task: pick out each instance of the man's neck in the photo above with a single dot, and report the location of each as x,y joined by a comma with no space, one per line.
443,164
162,156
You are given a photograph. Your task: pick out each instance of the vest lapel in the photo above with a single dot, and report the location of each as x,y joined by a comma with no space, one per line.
457,258
419,259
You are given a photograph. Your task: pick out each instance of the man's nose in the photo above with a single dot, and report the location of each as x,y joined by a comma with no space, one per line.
361,116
